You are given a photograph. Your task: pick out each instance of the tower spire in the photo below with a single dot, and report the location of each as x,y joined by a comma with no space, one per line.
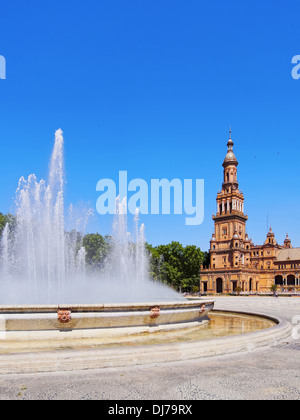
230,156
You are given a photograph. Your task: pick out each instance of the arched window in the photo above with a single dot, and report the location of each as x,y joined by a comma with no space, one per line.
291,280
279,280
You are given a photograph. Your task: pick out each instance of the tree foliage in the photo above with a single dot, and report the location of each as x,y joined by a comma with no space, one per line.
176,265
6,219
97,249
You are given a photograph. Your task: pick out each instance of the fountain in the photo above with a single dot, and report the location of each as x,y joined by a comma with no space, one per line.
50,301
47,291
38,258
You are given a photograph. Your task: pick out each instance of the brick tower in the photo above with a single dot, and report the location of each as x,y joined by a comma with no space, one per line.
230,245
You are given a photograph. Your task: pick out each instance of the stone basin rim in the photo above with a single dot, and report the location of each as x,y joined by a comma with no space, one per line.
99,307
80,359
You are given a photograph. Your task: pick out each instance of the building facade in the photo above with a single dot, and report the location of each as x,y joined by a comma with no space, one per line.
235,262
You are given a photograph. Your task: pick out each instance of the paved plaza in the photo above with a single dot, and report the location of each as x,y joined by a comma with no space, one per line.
268,373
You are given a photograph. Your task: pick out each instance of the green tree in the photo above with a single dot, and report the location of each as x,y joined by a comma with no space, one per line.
206,259
97,248
178,266
192,259
3,221
274,288
157,269
6,218
238,290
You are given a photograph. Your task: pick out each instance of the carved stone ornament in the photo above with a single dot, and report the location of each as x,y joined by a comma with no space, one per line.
154,312
202,309
64,316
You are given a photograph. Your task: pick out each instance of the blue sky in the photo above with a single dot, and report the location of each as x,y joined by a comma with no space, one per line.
151,87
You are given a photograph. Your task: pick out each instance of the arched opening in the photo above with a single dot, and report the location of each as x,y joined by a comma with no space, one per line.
219,285
234,285
291,280
279,280
250,285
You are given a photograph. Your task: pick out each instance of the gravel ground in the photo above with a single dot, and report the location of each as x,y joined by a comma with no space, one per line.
269,373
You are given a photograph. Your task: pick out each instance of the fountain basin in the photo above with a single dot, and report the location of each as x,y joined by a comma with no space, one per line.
53,322
20,359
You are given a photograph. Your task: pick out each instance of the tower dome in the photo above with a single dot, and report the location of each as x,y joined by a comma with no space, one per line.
287,242
230,157
230,167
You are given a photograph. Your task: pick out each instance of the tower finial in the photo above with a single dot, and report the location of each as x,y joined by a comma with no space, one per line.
230,142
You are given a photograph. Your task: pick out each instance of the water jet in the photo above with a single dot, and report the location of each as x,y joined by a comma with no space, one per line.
47,292
63,317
